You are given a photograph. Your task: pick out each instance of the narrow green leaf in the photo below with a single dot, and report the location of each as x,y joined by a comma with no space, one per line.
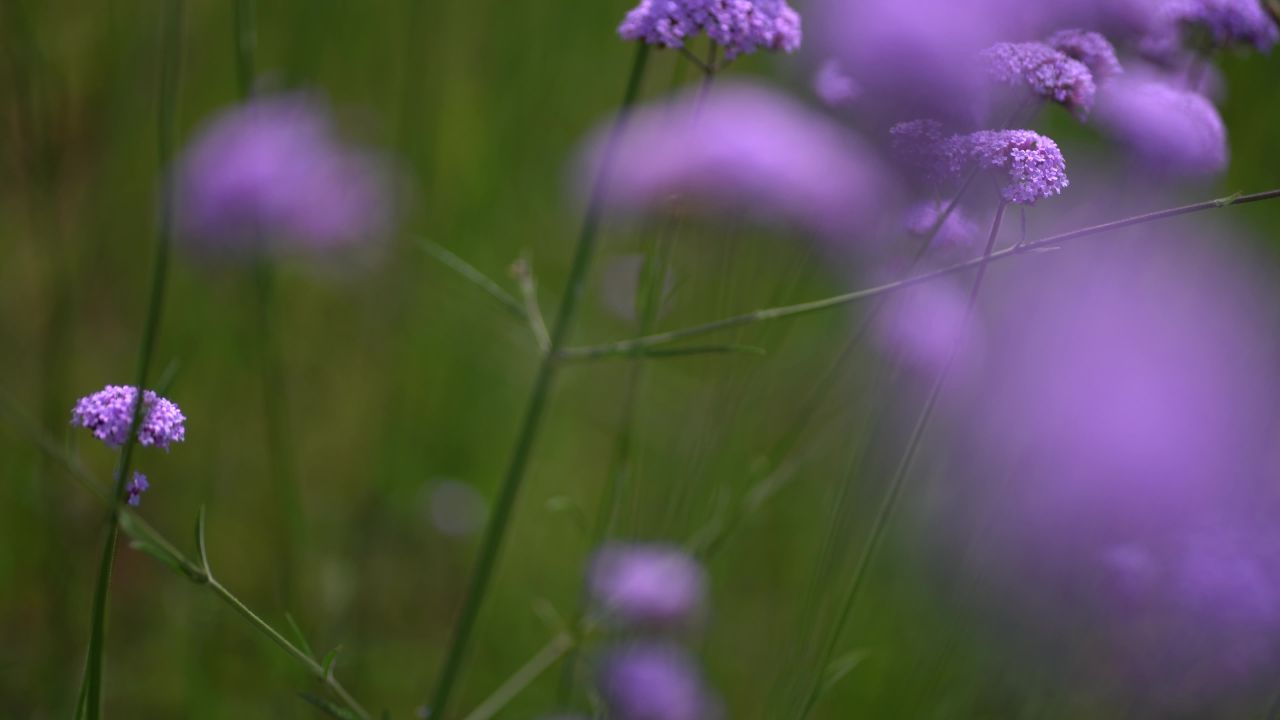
200,544
842,666
330,659
471,274
298,636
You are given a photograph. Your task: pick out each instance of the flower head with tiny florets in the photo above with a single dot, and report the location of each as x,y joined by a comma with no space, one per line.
137,486
1035,166
1090,48
1046,72
1222,22
739,26
108,413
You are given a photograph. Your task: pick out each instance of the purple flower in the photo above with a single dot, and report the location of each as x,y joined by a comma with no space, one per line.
109,414
653,682
924,325
739,26
272,175
136,487
1047,73
745,148
958,230
648,584
1169,130
1033,162
1221,23
1090,48
834,86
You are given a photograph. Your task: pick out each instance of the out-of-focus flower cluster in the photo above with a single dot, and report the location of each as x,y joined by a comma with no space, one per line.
273,176
739,26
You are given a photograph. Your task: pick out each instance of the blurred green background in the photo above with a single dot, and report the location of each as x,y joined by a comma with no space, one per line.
400,375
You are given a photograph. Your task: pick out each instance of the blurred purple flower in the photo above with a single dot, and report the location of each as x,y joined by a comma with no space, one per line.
745,148
1090,48
958,230
918,146
653,682
925,325
108,413
739,26
1047,73
136,487
1167,129
1220,23
648,585
272,175
1033,162
833,86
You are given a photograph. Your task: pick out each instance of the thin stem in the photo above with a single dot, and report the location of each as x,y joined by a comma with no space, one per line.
887,505
496,530
637,345
523,272
538,664
90,705
475,276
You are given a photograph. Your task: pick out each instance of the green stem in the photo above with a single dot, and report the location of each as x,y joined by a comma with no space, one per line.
495,533
521,679
638,345
90,705
887,505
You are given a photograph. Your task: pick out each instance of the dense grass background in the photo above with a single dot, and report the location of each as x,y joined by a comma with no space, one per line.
401,375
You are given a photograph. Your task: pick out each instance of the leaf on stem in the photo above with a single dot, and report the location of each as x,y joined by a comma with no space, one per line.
298,635
328,708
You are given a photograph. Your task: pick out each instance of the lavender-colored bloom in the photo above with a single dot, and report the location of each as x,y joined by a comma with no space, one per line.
109,414
136,487
648,585
1169,130
1033,162
273,175
958,230
1221,23
917,145
925,326
745,148
739,26
653,682
834,86
1090,48
1046,72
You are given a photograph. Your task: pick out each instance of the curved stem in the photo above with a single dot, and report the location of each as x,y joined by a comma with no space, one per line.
90,703
887,505
496,530
638,345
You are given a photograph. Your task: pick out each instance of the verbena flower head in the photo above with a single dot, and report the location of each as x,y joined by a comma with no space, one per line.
1090,48
136,487
653,682
648,585
833,86
273,175
739,26
1168,130
1046,72
1219,23
108,413
743,149
958,230
1033,163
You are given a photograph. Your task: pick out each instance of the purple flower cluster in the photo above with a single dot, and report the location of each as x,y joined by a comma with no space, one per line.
1090,48
833,86
1221,23
744,148
739,26
653,682
1167,129
108,413
136,487
1033,164
1046,72
272,175
648,585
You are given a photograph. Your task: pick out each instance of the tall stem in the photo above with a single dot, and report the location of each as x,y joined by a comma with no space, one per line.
887,505
495,533
90,705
